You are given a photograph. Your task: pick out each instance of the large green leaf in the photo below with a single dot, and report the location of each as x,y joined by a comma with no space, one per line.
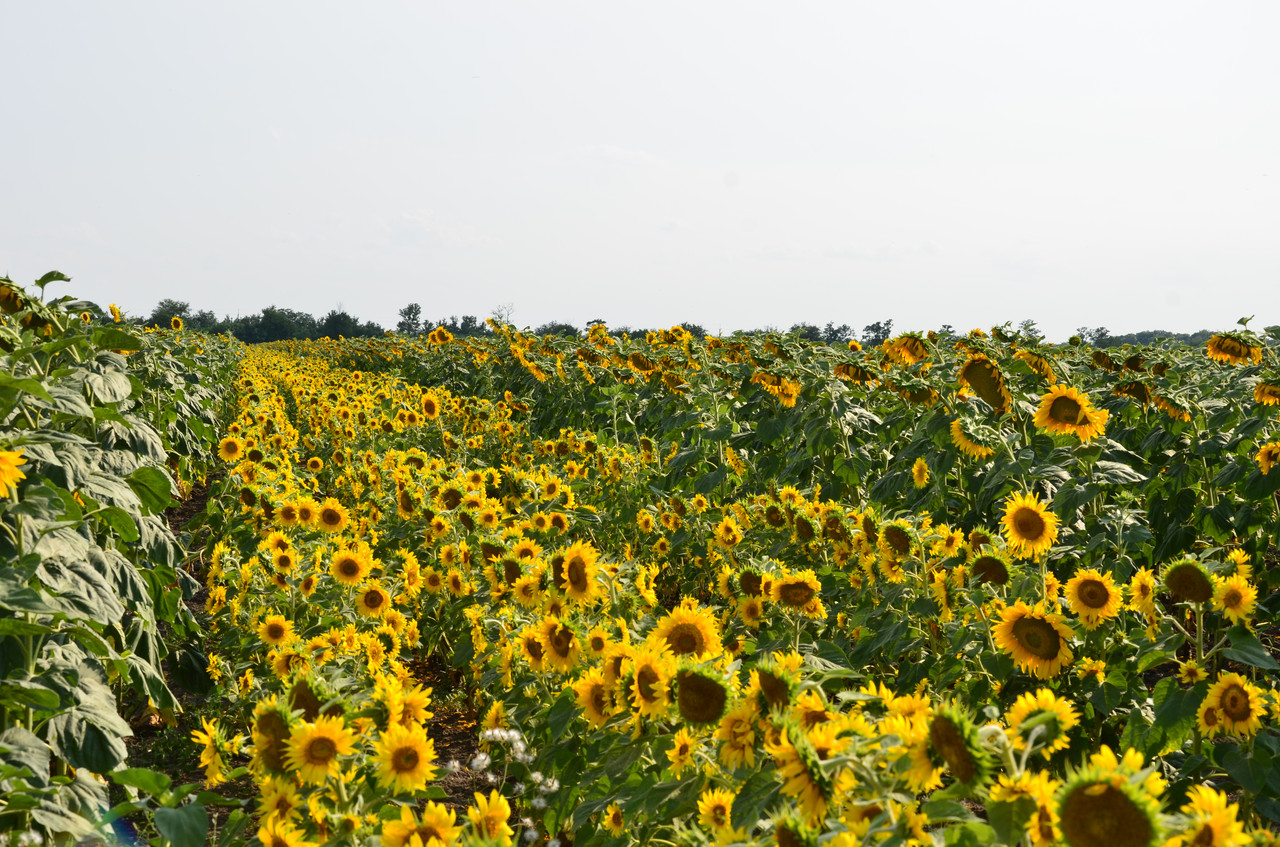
153,488
185,826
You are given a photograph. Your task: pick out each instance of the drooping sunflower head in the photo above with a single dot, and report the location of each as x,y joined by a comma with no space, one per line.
990,567
954,743
982,375
1188,581
1101,808
702,695
775,686
1233,348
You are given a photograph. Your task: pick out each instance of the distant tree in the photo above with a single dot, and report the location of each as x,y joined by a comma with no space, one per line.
696,330
471,326
203,321
1093,336
502,313
166,309
809,332
877,333
832,334
558,328
410,320
338,323
1029,329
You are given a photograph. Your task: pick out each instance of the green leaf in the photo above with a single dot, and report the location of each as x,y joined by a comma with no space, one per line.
1248,650
1009,820
972,834
152,782
755,795
185,826
152,487
26,385
28,694
111,338
120,522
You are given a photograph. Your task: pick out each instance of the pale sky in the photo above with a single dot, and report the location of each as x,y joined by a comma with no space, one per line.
733,164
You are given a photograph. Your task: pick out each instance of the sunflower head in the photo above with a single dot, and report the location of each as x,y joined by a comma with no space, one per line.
1188,581
701,695
954,743
1030,529
1100,807
775,685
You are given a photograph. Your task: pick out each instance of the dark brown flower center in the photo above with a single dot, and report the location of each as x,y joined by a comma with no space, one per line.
1037,637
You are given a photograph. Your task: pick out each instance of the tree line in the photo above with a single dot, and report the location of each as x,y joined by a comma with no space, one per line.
276,324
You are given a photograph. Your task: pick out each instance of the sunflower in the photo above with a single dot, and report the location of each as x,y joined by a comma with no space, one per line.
314,748
10,474
1267,456
277,832
1187,580
737,731
230,449
1142,593
307,510
1037,639
1267,393
967,445
1239,704
404,756
332,516
728,533
1231,348
920,473
1029,528
1235,598
373,600
1212,821
175,323
795,590
650,687
701,696
275,630
1039,788
689,631
576,577
801,770
350,567
715,811
593,697
561,646
681,753
437,824
1066,411
1093,596
990,568
1043,716
489,818
1100,807
954,742
613,820
982,375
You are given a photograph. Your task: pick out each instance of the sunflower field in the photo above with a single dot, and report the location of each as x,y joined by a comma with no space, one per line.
962,590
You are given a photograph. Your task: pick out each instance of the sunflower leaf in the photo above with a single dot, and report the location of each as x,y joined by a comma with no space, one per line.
1248,650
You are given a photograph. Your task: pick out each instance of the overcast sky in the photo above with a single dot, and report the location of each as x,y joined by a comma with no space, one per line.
733,164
